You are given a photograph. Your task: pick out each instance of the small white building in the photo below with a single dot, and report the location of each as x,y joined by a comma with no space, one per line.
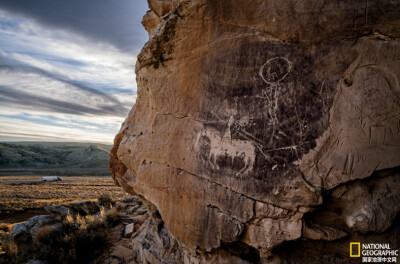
52,178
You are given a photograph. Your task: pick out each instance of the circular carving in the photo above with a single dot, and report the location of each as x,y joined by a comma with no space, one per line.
275,70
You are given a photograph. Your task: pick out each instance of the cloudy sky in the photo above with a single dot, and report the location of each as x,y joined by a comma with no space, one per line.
67,68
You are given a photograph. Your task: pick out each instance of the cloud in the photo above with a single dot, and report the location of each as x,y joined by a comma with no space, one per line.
87,100
111,21
11,130
28,101
56,84
64,53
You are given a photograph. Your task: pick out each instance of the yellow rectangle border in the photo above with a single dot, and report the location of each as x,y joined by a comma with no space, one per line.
351,249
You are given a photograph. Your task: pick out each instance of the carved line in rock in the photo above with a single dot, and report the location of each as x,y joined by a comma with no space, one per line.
273,72
364,121
226,146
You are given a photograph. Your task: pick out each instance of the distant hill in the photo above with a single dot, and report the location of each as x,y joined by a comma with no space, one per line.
54,158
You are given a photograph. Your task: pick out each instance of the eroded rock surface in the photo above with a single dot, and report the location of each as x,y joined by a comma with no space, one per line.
253,118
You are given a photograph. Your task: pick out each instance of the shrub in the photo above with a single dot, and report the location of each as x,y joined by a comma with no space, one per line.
49,244
77,239
113,217
76,242
4,228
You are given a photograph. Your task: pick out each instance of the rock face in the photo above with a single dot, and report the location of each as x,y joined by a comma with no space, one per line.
261,123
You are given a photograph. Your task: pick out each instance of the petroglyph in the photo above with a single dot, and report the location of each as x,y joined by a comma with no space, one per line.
226,147
252,115
364,120
275,70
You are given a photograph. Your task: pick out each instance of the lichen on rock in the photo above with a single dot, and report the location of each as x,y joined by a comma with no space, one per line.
254,119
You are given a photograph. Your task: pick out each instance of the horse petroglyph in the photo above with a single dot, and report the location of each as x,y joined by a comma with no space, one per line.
224,147
220,145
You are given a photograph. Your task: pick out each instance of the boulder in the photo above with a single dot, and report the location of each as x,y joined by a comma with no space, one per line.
152,243
268,126
20,233
317,232
119,255
162,7
140,211
35,223
105,200
129,229
132,209
58,211
139,218
19,244
85,207
151,21
132,199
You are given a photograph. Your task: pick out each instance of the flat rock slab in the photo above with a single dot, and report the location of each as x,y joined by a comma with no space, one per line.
129,229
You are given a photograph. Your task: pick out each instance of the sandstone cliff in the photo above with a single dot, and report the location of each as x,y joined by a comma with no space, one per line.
265,131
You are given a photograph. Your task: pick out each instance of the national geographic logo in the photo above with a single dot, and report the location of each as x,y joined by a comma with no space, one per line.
357,247
373,252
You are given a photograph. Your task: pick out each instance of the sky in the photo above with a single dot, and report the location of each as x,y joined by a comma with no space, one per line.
67,68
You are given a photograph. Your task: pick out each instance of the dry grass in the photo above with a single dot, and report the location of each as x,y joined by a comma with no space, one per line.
79,240
21,196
